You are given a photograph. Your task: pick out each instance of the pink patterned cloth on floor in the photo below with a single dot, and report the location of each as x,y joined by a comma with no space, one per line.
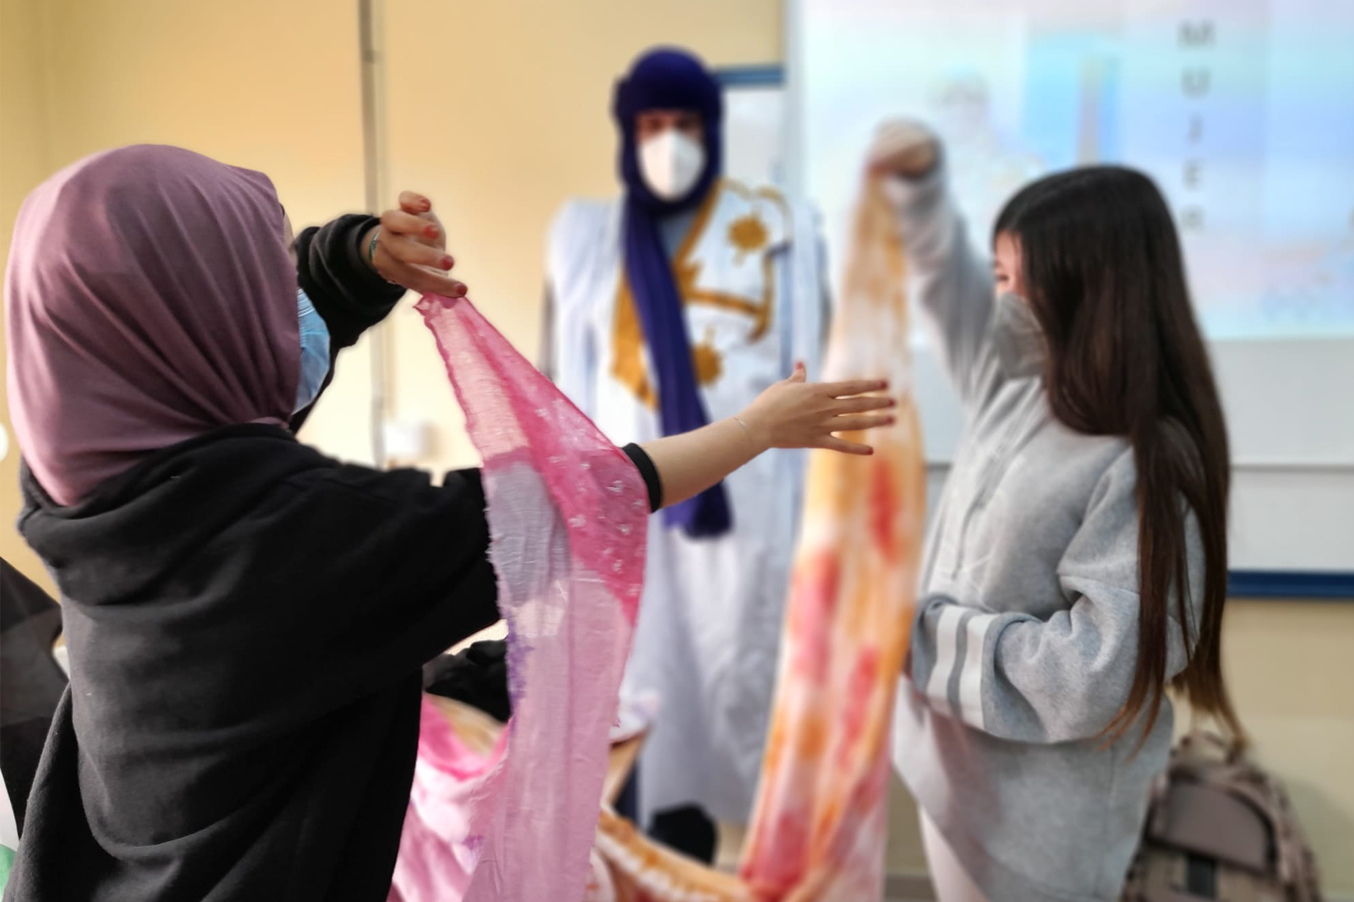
567,515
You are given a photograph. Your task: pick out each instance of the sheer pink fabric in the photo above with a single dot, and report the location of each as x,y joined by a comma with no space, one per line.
567,514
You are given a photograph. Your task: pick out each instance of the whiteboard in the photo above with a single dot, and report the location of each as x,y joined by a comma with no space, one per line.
754,124
1242,112
1289,396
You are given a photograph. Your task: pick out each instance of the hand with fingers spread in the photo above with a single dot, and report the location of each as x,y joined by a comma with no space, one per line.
409,248
799,414
790,414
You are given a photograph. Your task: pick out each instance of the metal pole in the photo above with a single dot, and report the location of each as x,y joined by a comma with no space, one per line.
372,160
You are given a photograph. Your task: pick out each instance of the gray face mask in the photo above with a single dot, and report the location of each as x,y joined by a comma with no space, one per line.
1016,336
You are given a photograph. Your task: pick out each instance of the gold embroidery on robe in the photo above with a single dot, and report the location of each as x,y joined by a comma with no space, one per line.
746,234
706,362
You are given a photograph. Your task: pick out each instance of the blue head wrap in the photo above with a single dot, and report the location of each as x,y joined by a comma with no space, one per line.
669,79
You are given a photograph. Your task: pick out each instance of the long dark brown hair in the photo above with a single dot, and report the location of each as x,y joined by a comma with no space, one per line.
1104,275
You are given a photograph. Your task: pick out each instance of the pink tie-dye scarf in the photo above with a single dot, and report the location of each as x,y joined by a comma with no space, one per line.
567,514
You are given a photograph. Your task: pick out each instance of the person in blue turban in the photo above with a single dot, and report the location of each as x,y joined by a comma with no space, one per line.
668,308
670,114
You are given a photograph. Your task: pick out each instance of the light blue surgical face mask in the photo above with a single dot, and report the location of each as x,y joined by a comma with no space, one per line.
314,352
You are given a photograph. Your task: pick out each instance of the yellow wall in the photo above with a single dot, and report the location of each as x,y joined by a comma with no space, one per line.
257,83
23,163
499,111
1288,664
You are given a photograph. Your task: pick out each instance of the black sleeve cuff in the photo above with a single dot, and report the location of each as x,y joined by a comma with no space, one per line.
652,480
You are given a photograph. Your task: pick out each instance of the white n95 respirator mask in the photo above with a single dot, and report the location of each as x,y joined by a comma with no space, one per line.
671,163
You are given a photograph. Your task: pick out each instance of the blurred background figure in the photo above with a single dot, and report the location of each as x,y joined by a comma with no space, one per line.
987,166
666,309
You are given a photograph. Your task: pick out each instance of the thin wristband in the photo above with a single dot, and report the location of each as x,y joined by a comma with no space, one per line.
371,256
747,432
371,248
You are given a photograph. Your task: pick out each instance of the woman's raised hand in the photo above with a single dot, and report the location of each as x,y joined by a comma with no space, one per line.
903,147
409,248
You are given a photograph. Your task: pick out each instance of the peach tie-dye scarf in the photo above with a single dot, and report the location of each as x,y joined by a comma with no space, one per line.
818,831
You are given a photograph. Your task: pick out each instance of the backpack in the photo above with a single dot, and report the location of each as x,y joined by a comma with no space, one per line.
1218,827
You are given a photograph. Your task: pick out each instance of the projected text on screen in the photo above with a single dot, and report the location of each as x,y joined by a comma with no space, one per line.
1242,112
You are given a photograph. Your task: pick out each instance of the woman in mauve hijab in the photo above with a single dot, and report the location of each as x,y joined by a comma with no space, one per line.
246,617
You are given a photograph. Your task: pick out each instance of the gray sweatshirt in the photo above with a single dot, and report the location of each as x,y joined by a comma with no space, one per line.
1025,642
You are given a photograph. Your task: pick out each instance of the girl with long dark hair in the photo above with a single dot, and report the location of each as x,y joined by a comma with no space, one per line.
1077,563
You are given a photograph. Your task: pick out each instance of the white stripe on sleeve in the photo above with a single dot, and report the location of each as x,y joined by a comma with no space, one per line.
947,649
971,676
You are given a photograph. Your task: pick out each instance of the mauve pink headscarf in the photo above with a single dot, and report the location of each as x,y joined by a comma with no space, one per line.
151,299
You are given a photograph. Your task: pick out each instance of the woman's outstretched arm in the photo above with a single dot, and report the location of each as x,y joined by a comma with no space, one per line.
790,414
